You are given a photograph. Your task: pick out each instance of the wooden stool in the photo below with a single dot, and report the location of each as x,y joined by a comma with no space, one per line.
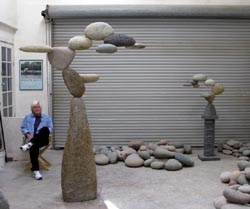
44,164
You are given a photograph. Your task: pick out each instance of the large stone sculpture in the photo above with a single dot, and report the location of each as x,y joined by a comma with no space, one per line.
209,115
78,165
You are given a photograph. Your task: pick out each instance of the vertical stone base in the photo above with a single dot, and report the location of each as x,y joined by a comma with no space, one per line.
78,165
210,158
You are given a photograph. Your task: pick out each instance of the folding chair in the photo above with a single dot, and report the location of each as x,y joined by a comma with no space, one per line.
44,164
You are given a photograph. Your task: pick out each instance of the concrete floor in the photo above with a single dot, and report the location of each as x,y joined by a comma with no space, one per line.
119,186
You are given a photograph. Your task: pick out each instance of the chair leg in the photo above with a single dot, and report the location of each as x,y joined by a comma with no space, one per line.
47,162
43,165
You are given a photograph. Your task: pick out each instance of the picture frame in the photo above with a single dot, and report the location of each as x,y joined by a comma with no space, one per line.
31,74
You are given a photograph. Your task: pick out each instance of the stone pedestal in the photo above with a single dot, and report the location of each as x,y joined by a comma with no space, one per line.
78,165
209,117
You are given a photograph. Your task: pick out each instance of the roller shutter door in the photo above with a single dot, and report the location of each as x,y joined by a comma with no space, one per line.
141,94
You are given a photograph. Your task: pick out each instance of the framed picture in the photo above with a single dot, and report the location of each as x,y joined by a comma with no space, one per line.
31,75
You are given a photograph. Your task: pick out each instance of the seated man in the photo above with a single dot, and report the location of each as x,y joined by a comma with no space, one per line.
36,127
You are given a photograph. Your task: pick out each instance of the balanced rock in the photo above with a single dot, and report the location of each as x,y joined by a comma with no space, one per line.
157,165
209,82
235,196
144,155
187,149
73,82
98,30
163,153
225,176
113,157
37,48
4,204
78,159
233,143
136,144
80,43
219,202
173,165
136,46
217,89
61,57
101,159
134,160
162,142
119,39
106,48
185,160
89,78
245,189
170,148
199,77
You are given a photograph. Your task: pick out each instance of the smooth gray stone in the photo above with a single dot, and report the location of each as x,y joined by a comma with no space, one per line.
170,148
73,82
247,173
187,149
227,147
101,159
243,164
235,151
242,149
134,160
136,46
80,43
104,151
152,146
227,152
98,30
242,180
157,165
163,153
173,165
37,48
179,150
235,196
219,202
143,148
236,154
225,176
106,48
246,152
148,162
162,142
113,157
128,150
244,189
235,206
4,204
61,57
232,143
185,160
119,39
136,144
151,152
199,77
245,158
78,177
144,155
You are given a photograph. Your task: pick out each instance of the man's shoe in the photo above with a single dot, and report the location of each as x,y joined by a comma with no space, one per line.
37,175
26,147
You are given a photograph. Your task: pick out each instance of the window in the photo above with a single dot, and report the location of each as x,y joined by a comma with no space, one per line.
7,84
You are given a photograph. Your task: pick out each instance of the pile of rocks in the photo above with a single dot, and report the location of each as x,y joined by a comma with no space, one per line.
235,148
237,195
155,155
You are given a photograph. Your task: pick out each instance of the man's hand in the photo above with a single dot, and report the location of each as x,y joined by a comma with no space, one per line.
28,136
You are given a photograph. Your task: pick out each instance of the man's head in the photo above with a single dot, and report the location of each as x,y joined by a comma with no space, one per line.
36,108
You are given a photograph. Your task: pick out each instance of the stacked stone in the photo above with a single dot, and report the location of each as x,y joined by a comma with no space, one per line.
237,195
235,148
161,155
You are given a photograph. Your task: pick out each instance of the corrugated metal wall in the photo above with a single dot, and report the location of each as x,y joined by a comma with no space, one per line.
141,93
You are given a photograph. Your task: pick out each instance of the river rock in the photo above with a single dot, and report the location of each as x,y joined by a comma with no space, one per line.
113,157
235,175
101,159
37,48
136,144
61,57
227,152
185,160
209,82
247,172
157,165
173,165
143,148
163,153
242,180
98,30
134,160
233,143
235,196
4,204
235,186
73,82
89,78
144,155
245,158
152,146
128,150
80,43
217,89
106,48
122,155
148,162
162,142
225,176
187,149
219,202
226,146
243,164
170,148
78,159
200,77
136,46
244,189
246,152
119,39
